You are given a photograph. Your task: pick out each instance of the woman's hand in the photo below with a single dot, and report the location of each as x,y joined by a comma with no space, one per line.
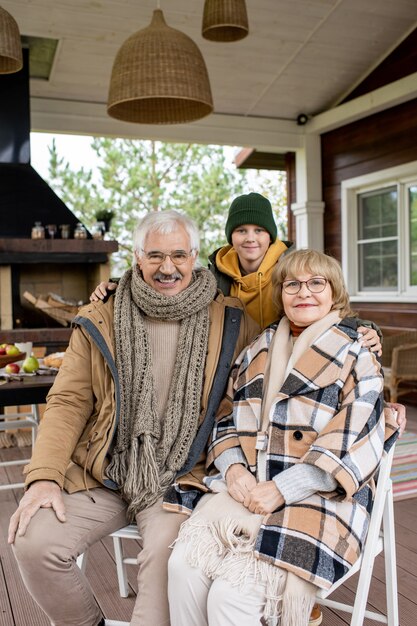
239,481
401,416
370,339
100,292
264,498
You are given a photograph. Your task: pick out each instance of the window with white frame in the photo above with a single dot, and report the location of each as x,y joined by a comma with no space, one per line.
379,230
412,208
377,242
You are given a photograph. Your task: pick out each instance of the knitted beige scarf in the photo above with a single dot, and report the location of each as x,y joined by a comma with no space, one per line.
149,451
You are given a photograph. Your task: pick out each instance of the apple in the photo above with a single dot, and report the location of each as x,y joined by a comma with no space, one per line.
12,368
2,351
12,350
30,365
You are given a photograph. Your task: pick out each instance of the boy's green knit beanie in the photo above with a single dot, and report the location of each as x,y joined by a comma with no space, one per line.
251,208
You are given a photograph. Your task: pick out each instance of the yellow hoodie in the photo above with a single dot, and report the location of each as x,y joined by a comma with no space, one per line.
255,289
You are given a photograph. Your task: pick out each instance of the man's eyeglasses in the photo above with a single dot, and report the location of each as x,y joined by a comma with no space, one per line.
314,285
178,257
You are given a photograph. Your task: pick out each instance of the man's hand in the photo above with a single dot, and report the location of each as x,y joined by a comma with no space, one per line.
401,416
239,481
42,494
370,339
100,292
264,498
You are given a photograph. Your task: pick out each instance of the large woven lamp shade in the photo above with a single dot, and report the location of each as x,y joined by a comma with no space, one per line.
159,77
11,59
225,20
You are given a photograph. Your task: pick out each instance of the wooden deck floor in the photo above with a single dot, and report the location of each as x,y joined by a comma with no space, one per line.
18,609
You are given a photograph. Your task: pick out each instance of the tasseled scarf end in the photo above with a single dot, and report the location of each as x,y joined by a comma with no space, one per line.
222,550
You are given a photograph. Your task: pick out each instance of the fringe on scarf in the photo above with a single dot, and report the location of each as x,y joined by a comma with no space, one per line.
296,609
222,551
143,485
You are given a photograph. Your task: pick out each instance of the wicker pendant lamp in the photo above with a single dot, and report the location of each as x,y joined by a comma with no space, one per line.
11,59
159,77
225,20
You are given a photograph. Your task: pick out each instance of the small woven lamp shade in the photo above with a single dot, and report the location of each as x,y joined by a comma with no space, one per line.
11,59
159,77
225,20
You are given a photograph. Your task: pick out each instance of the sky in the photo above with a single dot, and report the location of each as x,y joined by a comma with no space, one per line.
74,148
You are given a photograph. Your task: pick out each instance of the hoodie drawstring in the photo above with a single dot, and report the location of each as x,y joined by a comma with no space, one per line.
261,313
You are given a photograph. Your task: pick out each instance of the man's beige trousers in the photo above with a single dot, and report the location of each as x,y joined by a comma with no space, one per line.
47,558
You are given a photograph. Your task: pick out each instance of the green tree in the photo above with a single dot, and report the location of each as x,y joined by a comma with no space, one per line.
134,177
273,185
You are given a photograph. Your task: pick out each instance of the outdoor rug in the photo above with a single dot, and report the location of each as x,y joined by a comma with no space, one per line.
404,467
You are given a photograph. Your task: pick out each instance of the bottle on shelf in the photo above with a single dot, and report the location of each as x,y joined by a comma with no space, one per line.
51,229
65,231
98,230
80,232
38,231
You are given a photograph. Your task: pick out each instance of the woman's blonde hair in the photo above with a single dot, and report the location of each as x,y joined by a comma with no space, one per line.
316,263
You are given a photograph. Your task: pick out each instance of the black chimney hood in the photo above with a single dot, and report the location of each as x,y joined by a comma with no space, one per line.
25,197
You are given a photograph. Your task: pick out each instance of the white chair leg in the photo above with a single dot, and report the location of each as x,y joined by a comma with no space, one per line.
121,567
35,412
367,566
359,608
390,561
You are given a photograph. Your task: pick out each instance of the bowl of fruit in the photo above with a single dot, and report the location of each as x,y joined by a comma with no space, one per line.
9,354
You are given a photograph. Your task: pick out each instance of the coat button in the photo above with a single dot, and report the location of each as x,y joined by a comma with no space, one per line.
298,435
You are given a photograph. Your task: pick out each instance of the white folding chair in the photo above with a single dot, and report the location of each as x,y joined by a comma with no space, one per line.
128,532
13,421
380,538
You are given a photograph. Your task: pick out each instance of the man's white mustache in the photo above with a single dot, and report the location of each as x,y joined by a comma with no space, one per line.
161,276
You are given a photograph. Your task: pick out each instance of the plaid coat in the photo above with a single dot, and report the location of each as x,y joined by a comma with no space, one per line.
329,413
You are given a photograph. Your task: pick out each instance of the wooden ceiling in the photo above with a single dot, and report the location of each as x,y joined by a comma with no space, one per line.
301,56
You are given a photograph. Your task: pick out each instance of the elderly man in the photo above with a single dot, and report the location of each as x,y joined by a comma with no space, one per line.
129,413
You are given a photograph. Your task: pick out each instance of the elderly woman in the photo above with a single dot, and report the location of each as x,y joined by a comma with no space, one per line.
297,442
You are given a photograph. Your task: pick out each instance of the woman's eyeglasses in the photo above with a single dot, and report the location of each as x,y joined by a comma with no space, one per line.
314,285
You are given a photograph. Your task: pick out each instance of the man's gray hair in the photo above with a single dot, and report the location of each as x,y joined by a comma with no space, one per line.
164,222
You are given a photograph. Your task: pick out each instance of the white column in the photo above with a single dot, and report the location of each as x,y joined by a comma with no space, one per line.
309,208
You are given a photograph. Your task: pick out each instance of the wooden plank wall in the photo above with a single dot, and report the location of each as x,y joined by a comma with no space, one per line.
400,63
380,141
291,194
